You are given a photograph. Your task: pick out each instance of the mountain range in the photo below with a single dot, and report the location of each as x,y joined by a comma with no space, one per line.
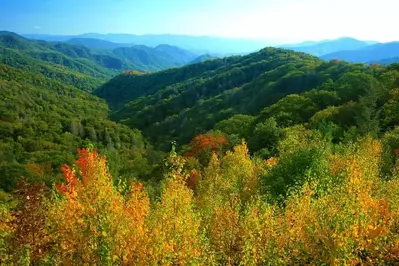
324,47
381,52
345,48
88,58
217,46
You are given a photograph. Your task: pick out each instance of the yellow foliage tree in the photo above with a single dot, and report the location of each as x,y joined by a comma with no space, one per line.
175,225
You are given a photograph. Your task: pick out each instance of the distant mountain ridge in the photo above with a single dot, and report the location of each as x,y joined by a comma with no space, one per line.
373,53
73,65
145,58
96,58
350,49
328,46
386,61
195,44
203,58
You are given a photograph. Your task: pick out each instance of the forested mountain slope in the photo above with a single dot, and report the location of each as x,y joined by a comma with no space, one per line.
188,101
43,122
144,58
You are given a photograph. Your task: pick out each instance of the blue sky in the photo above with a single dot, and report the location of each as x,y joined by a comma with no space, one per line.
286,20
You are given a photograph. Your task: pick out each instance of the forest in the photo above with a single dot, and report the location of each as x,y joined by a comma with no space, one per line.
272,158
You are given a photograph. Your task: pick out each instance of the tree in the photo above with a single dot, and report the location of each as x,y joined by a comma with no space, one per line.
239,125
203,146
175,224
292,109
88,222
265,136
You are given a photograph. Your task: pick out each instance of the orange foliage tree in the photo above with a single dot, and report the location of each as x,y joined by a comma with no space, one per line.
203,146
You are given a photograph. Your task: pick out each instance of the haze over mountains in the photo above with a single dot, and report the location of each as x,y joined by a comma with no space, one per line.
94,57
373,53
345,48
328,46
196,44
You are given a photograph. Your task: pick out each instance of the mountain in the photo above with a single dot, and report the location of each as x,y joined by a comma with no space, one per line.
303,44
139,57
144,58
195,44
74,65
60,53
89,60
188,101
371,53
329,46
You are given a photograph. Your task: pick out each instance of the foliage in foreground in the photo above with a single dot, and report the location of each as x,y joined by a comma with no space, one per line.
341,213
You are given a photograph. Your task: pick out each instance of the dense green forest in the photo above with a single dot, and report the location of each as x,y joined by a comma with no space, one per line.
44,121
272,158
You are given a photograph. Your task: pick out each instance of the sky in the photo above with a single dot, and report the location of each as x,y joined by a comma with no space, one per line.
283,20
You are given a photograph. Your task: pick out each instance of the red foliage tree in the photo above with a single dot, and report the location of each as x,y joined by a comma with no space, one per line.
86,167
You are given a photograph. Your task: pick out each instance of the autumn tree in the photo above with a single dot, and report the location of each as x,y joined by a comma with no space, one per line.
228,184
88,221
203,146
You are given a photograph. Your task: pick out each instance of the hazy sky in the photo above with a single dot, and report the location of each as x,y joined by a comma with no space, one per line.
288,20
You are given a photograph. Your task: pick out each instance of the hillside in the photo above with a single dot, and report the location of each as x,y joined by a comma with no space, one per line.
328,46
139,57
371,53
43,122
143,58
188,101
